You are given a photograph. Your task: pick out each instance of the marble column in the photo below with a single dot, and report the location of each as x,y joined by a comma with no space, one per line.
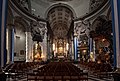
91,45
75,47
3,19
116,31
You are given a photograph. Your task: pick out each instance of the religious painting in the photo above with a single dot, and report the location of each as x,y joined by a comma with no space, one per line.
22,52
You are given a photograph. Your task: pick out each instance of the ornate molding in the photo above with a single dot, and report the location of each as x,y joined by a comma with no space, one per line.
94,4
23,12
82,27
38,30
97,11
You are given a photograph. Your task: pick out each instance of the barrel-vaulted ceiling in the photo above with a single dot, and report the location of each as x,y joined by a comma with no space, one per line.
60,19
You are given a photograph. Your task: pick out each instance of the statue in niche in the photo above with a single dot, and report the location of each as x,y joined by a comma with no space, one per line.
39,49
38,52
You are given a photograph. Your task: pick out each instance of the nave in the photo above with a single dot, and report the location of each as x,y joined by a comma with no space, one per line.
57,71
59,40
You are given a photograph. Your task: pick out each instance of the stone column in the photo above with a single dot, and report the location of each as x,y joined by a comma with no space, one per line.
10,43
48,49
72,49
51,49
29,46
94,50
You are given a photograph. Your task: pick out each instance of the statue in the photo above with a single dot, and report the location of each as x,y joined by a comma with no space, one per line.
39,49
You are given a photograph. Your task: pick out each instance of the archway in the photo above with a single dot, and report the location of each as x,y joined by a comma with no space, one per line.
20,29
60,18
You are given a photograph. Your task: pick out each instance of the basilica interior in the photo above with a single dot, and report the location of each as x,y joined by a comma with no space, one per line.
59,40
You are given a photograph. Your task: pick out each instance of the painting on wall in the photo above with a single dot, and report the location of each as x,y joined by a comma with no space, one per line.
22,52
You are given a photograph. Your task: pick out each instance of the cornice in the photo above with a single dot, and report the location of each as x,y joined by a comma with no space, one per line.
92,14
21,11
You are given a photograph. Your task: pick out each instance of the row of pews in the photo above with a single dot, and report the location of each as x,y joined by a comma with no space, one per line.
16,70
54,71
100,70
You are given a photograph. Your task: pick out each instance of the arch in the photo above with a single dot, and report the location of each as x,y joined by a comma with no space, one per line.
23,22
60,4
